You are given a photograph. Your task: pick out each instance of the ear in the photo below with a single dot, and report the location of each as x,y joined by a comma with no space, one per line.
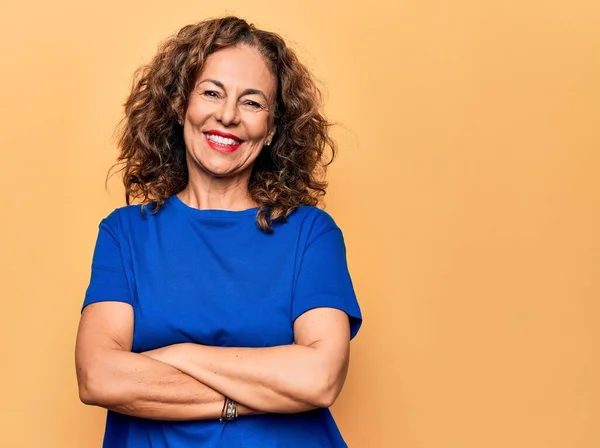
271,134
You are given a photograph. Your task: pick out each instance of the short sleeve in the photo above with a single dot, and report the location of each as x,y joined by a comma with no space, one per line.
108,281
324,280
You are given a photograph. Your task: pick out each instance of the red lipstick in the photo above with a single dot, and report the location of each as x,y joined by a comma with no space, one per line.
223,147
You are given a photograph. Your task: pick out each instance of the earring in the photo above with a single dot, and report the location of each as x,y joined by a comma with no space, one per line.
268,143
180,122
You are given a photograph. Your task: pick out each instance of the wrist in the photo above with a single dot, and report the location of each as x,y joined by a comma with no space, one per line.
229,411
244,410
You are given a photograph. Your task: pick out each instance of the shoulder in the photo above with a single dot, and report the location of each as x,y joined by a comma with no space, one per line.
313,221
125,217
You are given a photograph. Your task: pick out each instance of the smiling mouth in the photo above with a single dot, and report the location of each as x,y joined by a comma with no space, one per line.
223,144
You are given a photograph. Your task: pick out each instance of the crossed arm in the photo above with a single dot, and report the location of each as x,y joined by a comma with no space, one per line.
189,381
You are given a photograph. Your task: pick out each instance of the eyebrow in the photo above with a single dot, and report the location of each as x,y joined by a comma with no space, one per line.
245,92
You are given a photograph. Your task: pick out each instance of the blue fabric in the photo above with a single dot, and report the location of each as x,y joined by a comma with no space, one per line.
212,277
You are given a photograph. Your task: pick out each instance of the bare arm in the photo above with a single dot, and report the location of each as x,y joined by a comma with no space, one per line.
111,376
283,379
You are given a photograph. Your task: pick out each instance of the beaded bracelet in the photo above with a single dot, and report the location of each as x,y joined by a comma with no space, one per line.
229,411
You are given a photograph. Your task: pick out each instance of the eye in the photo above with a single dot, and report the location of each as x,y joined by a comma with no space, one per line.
211,93
253,104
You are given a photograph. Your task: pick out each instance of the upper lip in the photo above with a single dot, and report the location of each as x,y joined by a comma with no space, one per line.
224,134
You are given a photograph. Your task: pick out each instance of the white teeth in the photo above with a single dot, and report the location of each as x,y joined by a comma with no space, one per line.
222,140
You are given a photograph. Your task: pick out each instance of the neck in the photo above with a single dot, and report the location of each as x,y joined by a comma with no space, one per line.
206,192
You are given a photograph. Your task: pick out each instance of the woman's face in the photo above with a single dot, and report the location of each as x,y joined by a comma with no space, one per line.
229,115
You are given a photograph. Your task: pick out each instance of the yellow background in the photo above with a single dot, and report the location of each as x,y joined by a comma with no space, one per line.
467,188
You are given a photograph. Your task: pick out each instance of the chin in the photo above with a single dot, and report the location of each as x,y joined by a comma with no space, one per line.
219,174
219,170
221,165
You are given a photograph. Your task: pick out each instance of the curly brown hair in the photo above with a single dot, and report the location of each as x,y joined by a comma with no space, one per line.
287,174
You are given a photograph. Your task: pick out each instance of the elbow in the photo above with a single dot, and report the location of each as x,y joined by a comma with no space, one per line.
325,391
86,396
326,397
92,390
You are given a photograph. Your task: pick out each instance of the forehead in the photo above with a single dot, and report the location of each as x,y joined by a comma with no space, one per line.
239,67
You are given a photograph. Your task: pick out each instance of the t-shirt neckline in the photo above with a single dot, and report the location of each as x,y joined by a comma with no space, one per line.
210,213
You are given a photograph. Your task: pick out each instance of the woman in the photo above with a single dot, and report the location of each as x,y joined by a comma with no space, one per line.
220,310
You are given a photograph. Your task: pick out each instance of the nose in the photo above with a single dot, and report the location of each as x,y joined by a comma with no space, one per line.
228,113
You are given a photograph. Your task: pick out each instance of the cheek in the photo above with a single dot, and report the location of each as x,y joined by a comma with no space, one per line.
199,111
258,127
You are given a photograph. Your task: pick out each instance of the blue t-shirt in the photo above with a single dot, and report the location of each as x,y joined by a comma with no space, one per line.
213,277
